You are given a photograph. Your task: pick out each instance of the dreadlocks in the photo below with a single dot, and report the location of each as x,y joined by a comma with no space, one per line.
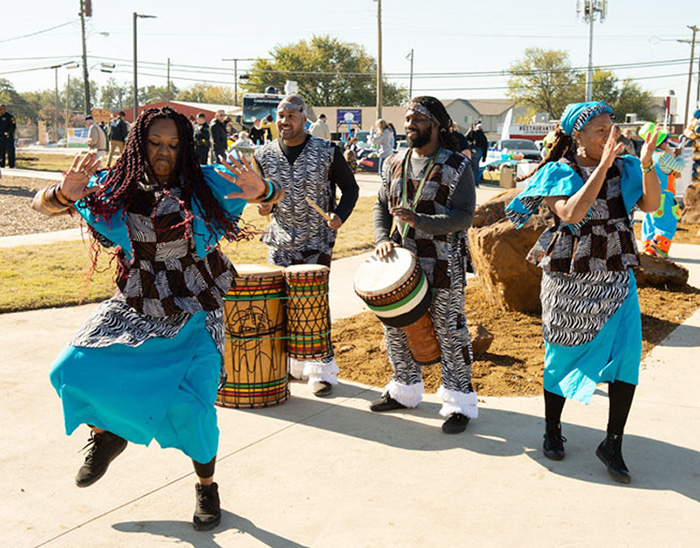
437,109
122,181
563,146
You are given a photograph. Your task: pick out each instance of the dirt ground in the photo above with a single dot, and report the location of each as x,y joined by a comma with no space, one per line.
513,364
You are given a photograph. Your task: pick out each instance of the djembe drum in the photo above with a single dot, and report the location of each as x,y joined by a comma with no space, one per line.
254,352
396,290
308,316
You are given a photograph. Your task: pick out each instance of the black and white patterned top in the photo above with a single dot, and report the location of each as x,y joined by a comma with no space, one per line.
166,283
586,267
604,241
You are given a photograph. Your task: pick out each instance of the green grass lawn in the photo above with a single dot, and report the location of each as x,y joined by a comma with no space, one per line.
44,276
47,162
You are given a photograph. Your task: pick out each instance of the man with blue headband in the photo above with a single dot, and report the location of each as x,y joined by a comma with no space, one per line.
591,321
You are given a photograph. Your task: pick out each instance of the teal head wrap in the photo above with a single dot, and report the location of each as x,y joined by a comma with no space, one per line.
577,115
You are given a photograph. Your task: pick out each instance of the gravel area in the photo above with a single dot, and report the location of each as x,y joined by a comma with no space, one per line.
16,214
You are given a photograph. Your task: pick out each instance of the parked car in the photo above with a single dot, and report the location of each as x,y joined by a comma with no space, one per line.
519,146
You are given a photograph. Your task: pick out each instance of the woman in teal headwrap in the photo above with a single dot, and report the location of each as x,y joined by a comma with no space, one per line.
591,320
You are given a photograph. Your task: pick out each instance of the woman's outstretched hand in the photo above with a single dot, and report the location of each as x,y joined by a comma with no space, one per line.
649,146
252,186
75,180
612,148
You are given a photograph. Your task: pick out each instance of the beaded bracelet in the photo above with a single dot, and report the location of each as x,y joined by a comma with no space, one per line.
648,169
67,202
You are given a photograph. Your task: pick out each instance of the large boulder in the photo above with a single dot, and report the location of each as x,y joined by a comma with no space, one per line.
691,204
660,272
498,252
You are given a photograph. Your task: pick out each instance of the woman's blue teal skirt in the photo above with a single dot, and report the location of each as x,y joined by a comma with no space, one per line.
165,388
613,355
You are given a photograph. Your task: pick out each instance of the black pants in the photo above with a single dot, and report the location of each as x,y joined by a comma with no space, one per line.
7,147
202,154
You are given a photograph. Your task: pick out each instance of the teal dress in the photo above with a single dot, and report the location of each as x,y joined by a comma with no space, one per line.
146,365
591,320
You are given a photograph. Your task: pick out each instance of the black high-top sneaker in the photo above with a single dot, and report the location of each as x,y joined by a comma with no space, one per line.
610,452
207,512
102,449
553,446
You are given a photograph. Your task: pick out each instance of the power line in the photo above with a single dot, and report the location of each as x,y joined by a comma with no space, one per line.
38,32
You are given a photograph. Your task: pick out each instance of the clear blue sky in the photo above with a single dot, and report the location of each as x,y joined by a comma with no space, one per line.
448,36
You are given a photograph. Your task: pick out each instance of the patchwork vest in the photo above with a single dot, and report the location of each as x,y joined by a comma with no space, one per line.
295,224
442,256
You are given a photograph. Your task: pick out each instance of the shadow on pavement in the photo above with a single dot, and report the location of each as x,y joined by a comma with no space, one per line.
654,464
231,524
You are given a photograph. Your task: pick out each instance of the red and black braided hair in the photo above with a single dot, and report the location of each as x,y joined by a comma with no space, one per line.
122,181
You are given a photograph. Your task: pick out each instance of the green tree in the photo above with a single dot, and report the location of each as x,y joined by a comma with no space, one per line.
329,72
156,94
544,80
624,98
116,96
633,99
206,93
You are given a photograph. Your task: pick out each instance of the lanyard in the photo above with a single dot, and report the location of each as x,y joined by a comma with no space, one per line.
419,190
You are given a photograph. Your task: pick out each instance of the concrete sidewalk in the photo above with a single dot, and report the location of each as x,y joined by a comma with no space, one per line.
328,473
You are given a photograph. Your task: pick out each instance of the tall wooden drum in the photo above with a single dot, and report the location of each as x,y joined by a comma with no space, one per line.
254,352
308,316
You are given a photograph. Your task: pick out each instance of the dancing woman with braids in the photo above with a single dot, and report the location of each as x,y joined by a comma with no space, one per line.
146,364
428,192
591,320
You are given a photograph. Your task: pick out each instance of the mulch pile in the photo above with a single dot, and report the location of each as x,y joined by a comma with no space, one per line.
513,365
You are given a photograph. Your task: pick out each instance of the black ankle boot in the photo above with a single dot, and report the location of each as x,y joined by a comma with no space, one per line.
553,446
102,449
207,512
610,452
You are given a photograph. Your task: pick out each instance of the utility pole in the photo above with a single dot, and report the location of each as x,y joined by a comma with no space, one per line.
410,79
588,11
86,81
136,72
380,98
55,123
168,92
235,75
695,29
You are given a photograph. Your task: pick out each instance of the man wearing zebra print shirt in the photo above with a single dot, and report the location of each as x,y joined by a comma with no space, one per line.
306,167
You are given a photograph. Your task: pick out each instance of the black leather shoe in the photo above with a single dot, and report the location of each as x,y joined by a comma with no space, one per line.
102,449
610,452
207,512
322,389
553,446
456,423
385,403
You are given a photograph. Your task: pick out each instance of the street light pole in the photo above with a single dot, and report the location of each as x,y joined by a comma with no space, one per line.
235,75
136,85
690,73
379,59
86,80
588,11
410,79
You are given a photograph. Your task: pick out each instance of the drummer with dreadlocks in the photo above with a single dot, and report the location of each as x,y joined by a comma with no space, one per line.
428,195
146,364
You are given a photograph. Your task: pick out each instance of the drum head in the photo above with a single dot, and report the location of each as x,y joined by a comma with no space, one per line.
379,276
304,268
251,270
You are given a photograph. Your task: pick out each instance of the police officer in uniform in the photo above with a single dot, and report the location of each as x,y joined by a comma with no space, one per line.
7,137
201,139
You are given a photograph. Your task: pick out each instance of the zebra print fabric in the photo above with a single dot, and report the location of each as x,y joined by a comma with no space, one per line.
296,227
447,313
115,322
575,307
167,277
